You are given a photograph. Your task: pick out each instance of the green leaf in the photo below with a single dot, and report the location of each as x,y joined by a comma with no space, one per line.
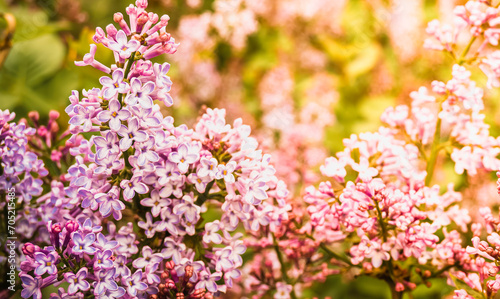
462,285
364,62
35,60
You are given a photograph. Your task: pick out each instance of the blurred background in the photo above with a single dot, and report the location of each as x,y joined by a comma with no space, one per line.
303,74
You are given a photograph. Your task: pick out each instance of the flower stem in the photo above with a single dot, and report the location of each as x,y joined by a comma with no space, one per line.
283,269
434,153
394,294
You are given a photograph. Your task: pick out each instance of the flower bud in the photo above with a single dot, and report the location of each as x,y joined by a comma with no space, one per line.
198,293
189,272
30,249
170,265
399,287
34,116
72,226
42,131
53,115
118,17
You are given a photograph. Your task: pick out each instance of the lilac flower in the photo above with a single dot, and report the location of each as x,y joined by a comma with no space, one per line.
127,245
83,116
102,259
230,275
169,221
256,190
132,133
134,283
122,46
121,266
107,165
88,227
104,244
147,118
83,245
149,226
224,262
226,172
31,286
148,257
156,202
151,277
47,263
188,209
145,153
208,280
89,59
77,281
238,248
114,115
132,186
105,281
140,93
183,157
118,293
109,203
167,173
107,145
173,250
115,85
162,79
200,183
208,167
211,235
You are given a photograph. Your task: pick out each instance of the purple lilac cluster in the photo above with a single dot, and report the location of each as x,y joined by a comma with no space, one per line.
20,168
187,190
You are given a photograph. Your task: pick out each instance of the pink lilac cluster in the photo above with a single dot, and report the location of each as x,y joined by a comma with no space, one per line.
479,20
386,218
457,108
480,276
188,190
380,202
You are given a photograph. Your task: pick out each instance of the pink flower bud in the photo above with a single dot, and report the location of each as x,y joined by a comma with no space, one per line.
42,131
30,249
56,228
54,114
71,226
118,17
34,116
399,287
170,265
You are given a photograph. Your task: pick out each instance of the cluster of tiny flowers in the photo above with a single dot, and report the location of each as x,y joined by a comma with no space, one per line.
20,168
188,190
456,107
479,20
379,202
479,277
385,222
